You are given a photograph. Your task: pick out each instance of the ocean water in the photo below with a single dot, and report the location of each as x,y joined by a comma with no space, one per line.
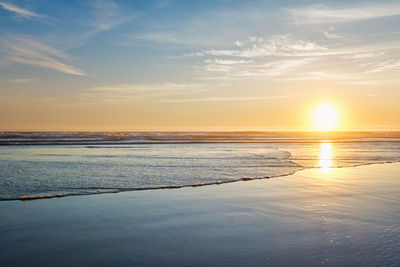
51,164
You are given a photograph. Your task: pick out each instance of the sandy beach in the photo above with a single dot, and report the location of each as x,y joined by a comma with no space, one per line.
337,217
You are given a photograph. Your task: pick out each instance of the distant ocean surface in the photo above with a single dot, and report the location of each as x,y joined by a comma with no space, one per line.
77,163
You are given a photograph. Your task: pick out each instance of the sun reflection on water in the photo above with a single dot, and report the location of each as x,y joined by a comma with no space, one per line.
325,157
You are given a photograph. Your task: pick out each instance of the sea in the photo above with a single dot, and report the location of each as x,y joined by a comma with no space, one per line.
57,164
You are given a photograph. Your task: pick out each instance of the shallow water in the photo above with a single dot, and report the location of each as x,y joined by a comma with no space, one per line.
86,169
333,217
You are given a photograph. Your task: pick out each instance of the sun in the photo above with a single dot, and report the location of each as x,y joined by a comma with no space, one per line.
326,117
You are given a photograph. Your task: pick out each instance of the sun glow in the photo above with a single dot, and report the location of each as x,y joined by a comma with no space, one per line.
326,117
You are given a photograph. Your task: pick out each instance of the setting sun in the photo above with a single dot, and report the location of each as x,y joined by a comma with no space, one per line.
326,117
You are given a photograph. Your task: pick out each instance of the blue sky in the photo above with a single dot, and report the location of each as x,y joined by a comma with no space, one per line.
197,64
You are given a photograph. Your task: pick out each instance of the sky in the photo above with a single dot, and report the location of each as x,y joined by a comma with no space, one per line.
198,65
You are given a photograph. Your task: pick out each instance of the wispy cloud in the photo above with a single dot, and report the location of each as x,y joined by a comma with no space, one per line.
287,57
364,55
18,10
381,94
227,61
278,45
92,18
129,92
324,14
22,80
29,52
260,57
330,34
224,99
160,37
388,65
242,71
106,15
322,76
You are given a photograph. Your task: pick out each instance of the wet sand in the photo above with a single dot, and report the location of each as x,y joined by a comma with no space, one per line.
337,217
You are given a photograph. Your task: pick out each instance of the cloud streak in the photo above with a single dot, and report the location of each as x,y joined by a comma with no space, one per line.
106,15
388,65
260,57
284,55
267,69
29,52
22,80
278,45
225,99
129,92
323,14
18,10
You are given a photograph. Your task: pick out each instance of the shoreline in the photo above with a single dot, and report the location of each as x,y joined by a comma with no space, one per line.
163,187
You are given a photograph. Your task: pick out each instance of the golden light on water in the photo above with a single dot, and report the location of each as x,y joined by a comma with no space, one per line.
325,157
326,117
